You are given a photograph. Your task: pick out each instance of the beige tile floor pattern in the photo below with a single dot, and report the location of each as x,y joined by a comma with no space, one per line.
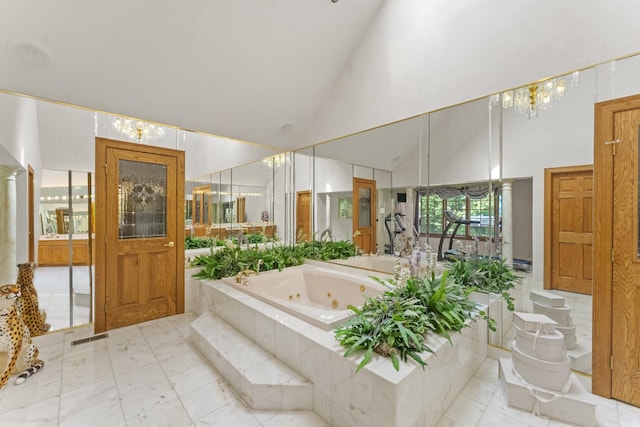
150,375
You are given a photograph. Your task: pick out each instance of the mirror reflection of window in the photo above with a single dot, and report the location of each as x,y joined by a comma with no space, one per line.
345,208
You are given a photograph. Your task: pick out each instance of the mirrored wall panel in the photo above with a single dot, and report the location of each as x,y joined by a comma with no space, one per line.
64,274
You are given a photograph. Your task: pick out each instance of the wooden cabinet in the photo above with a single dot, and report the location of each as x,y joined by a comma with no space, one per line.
55,252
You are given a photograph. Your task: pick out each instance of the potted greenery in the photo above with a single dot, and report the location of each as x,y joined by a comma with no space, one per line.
395,323
232,258
486,275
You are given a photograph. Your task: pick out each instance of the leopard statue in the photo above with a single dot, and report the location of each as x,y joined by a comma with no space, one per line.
32,316
15,340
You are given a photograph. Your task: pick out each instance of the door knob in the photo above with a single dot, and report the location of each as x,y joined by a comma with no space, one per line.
170,244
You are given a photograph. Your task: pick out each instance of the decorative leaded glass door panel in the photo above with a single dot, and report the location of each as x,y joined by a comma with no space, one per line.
364,219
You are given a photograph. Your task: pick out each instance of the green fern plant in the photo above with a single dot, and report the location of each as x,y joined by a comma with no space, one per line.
233,258
395,323
486,275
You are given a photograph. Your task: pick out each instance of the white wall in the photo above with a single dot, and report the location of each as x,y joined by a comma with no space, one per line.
20,140
333,176
340,227
206,154
522,198
459,144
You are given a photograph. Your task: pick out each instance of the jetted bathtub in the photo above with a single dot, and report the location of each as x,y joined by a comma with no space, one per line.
373,262
386,264
317,295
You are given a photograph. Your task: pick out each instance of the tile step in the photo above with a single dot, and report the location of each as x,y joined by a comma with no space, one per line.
575,406
263,382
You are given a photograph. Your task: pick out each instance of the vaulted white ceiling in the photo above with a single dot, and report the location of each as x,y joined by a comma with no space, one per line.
255,70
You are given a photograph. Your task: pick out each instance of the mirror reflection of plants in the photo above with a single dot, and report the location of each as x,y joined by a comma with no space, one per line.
258,238
486,275
395,323
328,250
192,242
232,258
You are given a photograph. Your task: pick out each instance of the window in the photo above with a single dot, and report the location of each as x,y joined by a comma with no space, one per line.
431,211
432,220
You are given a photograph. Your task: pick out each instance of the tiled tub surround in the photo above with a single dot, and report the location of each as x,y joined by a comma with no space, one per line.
314,294
498,311
377,396
386,263
373,262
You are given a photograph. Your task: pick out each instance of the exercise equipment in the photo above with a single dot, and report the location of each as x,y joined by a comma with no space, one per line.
452,221
399,227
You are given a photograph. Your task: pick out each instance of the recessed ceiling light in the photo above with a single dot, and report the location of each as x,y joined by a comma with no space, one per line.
335,1
29,55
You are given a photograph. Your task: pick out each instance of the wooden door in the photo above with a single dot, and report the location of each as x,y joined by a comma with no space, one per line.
569,229
364,214
303,216
625,348
200,210
139,233
241,203
616,300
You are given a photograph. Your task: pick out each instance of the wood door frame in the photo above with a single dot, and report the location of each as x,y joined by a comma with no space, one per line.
101,146
549,174
603,241
31,215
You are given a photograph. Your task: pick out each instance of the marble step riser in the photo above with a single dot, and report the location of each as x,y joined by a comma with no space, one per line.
575,406
257,396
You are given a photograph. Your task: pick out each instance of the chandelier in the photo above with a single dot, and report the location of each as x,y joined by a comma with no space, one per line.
138,130
275,161
533,98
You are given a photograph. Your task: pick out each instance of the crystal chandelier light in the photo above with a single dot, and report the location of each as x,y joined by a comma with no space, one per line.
275,161
532,98
138,130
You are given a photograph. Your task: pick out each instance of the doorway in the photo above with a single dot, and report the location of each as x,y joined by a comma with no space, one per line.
364,214
616,297
568,227
303,216
139,233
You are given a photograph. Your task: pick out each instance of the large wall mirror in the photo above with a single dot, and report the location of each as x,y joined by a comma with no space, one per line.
358,179
64,277
245,202
487,159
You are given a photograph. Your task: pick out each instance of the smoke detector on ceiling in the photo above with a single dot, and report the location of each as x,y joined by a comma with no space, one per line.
29,55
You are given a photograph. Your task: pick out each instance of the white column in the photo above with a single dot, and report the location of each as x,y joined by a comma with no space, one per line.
8,269
408,219
327,213
507,223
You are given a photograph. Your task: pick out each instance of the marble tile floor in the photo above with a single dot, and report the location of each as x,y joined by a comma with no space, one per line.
52,285
150,375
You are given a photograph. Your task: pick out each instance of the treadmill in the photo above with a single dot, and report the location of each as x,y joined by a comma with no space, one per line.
452,221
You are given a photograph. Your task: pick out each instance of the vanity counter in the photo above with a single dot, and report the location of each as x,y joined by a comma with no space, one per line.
226,231
54,251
